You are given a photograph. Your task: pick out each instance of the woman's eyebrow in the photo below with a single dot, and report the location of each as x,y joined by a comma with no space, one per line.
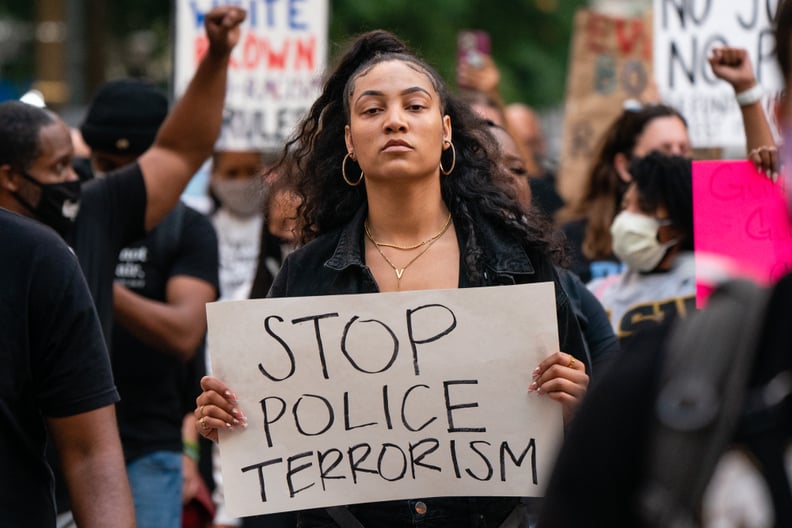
416,89
407,91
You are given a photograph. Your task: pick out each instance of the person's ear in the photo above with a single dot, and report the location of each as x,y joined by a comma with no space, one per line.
446,129
348,139
7,179
622,165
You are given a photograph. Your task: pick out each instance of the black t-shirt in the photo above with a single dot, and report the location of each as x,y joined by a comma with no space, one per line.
153,383
112,215
54,361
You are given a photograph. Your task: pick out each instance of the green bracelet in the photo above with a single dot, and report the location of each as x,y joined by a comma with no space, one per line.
190,448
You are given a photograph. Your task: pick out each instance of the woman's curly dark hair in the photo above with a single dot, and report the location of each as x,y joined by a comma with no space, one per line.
313,157
667,181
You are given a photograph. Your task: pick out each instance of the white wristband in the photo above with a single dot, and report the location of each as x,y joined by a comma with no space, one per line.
750,96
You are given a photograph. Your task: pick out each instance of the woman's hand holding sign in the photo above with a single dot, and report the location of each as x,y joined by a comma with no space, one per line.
562,378
216,408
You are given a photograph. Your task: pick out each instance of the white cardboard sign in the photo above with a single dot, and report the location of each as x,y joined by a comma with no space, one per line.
275,72
361,398
685,31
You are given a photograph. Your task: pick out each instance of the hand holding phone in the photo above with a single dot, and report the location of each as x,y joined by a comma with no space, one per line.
471,46
475,67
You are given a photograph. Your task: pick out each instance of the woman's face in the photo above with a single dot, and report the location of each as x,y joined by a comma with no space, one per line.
667,134
236,165
631,203
514,165
395,127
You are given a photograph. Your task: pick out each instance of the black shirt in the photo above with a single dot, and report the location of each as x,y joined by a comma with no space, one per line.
153,383
112,215
54,361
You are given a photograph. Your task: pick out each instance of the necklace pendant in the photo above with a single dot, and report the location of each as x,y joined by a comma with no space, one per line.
399,273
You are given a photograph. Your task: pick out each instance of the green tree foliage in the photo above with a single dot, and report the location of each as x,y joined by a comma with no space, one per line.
530,38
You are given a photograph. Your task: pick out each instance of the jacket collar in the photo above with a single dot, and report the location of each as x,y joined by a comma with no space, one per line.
504,254
347,252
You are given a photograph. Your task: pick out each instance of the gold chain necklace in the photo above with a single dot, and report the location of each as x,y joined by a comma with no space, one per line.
429,240
400,271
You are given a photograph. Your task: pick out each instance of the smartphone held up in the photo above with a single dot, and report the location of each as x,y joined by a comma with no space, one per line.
472,46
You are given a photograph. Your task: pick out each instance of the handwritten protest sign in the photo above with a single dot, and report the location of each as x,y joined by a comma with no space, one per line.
685,31
610,61
275,72
359,398
741,227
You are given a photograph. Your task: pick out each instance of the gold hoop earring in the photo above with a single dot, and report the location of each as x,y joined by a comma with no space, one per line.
344,174
453,161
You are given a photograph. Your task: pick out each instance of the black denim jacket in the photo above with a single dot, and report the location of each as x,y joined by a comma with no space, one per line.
333,264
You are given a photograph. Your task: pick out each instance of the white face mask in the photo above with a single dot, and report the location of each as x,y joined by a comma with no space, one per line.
635,240
243,197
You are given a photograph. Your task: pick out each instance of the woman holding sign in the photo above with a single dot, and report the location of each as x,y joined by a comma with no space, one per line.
399,188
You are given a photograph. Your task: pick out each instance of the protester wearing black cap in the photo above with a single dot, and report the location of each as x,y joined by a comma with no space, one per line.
122,122
163,283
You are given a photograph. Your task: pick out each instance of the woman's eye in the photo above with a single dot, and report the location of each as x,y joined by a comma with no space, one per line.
518,171
372,110
415,107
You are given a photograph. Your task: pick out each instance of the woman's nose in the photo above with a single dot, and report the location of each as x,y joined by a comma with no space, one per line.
394,119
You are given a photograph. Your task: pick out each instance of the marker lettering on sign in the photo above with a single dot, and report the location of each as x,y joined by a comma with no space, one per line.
411,329
385,396
391,462
265,14
348,355
256,52
414,417
686,10
692,59
749,19
318,333
450,408
421,328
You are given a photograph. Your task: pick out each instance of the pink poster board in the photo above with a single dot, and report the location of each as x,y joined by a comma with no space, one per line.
741,226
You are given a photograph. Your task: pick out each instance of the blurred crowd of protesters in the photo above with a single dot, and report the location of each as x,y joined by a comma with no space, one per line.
104,314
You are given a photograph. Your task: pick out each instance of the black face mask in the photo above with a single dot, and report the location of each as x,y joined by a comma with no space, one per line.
58,203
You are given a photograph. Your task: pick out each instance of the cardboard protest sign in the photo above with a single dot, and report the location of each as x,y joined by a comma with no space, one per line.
275,72
360,398
685,31
610,62
741,227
